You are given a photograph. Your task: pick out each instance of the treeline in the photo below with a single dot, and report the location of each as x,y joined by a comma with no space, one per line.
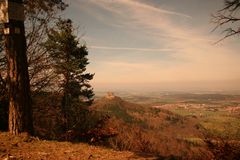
57,59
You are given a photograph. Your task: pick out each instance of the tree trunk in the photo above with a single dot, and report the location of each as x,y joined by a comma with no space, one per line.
20,111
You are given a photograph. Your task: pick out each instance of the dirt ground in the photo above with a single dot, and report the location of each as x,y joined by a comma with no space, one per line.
24,147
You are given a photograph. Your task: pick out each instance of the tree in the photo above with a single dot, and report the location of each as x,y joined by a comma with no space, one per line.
70,61
20,109
228,18
39,15
3,69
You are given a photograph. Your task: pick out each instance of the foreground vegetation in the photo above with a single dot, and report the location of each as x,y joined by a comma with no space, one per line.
26,147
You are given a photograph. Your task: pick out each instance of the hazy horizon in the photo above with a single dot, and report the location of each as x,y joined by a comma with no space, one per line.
182,87
151,45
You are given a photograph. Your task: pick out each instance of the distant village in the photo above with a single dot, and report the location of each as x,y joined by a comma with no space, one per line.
192,108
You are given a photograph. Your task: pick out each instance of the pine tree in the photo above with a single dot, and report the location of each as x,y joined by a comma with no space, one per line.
70,61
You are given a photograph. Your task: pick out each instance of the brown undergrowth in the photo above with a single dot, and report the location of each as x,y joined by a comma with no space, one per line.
25,147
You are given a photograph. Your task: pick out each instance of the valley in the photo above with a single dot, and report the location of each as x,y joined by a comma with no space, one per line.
173,124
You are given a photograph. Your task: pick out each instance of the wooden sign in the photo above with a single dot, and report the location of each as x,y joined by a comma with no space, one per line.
11,11
4,11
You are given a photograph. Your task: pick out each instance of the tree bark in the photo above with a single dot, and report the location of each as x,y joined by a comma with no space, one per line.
20,110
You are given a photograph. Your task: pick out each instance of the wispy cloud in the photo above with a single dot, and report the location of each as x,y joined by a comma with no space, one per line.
112,7
133,49
144,27
154,20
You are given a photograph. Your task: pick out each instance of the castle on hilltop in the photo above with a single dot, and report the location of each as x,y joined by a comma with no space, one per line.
110,95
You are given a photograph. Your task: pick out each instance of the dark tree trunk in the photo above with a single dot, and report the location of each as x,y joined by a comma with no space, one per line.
20,111
66,100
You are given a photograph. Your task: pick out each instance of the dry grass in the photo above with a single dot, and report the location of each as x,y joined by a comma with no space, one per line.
26,147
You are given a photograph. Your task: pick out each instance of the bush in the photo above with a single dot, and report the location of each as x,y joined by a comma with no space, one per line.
224,150
78,123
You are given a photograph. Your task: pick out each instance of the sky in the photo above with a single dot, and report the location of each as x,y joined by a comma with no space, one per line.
156,45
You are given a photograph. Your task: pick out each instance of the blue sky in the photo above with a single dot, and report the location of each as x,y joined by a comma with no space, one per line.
156,45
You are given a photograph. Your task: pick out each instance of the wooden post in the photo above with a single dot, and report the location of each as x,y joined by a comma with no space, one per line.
20,110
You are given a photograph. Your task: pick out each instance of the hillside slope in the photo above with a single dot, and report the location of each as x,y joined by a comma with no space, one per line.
152,130
147,117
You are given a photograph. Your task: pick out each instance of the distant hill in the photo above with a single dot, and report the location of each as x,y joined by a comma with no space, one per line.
136,113
115,106
151,130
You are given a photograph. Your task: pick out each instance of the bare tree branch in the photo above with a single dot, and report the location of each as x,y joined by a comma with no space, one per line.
228,18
